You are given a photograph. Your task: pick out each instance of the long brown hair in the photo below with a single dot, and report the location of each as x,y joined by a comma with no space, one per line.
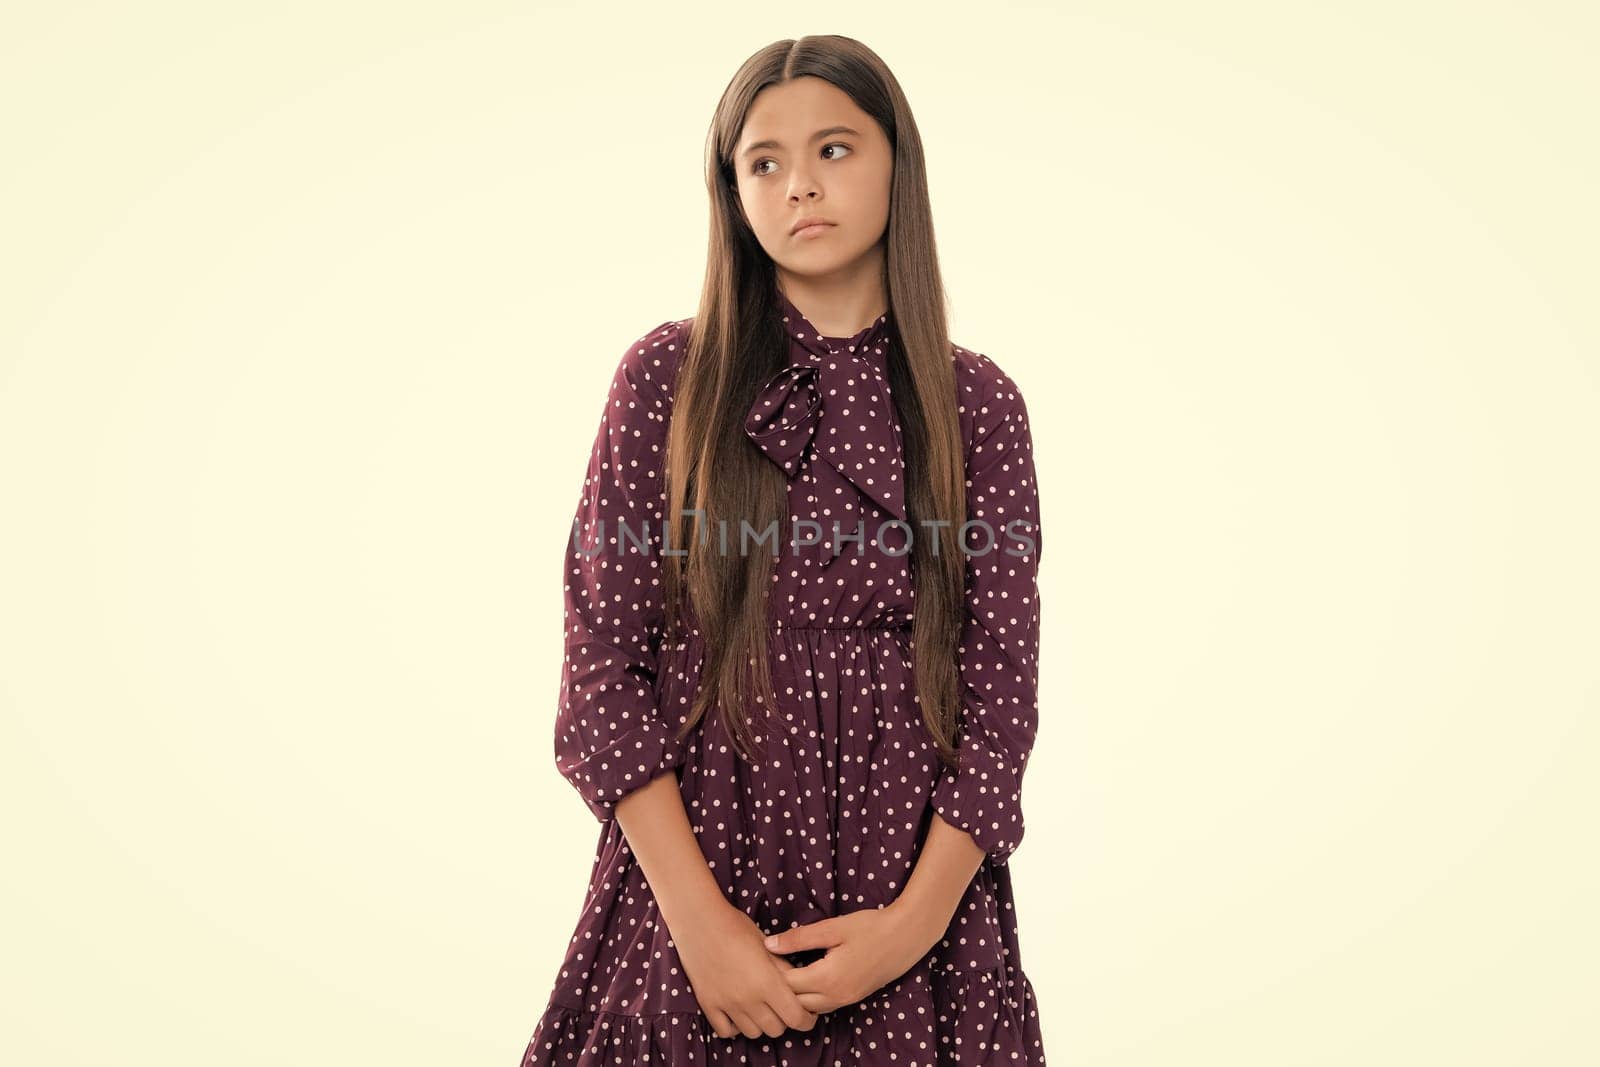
736,342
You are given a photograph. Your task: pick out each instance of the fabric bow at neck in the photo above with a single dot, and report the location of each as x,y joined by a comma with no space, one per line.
832,400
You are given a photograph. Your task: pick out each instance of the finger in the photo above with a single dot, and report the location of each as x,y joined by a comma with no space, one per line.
812,978
782,999
746,1025
721,1025
817,1003
768,1019
823,933
791,1011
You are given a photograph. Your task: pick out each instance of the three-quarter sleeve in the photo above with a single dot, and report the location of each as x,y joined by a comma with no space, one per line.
999,646
609,737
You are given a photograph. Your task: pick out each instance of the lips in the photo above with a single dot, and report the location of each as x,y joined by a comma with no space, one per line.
805,226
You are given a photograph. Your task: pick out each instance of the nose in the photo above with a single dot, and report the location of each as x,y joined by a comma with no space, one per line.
803,185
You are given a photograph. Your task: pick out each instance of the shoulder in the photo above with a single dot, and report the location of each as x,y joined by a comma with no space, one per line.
648,366
639,401
987,398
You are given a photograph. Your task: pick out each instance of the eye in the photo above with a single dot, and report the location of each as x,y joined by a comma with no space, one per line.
755,168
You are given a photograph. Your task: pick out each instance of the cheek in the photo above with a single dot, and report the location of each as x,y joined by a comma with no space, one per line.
868,197
767,219
757,208
880,193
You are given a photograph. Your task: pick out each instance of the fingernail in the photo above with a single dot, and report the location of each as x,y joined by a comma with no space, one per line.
772,941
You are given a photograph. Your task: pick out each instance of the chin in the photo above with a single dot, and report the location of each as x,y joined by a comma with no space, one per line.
806,260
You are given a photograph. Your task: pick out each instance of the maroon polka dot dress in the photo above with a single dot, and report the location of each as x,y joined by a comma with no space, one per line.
832,817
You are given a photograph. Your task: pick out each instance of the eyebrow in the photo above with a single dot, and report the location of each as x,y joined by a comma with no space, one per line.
819,135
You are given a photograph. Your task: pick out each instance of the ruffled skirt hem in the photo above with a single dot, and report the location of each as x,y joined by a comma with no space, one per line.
954,1018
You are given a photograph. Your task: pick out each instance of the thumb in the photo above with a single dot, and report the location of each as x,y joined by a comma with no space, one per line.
819,934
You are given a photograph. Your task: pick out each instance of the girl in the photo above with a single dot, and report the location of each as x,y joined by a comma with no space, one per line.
802,628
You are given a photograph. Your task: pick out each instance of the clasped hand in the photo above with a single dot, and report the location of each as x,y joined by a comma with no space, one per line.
745,985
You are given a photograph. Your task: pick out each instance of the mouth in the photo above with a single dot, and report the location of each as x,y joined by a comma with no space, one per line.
812,229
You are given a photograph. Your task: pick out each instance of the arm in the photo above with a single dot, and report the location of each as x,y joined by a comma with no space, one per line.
610,738
945,867
611,742
977,811
656,824
999,647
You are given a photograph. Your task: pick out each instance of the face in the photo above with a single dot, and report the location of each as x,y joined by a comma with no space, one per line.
808,150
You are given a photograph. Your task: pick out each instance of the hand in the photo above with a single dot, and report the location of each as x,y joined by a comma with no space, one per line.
738,983
866,950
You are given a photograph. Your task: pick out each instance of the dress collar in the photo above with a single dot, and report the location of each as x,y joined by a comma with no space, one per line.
833,394
868,343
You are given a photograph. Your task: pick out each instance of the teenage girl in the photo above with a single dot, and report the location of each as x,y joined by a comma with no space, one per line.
802,627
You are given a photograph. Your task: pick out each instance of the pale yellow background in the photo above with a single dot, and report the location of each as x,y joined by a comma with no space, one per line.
309,310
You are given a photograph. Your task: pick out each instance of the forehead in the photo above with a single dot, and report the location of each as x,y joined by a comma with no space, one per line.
788,114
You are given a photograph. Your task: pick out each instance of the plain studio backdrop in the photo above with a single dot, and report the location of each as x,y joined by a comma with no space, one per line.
309,313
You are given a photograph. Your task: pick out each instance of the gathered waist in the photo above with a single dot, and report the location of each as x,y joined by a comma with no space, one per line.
779,627
869,627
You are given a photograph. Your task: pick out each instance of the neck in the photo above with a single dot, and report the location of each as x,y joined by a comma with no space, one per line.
841,304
